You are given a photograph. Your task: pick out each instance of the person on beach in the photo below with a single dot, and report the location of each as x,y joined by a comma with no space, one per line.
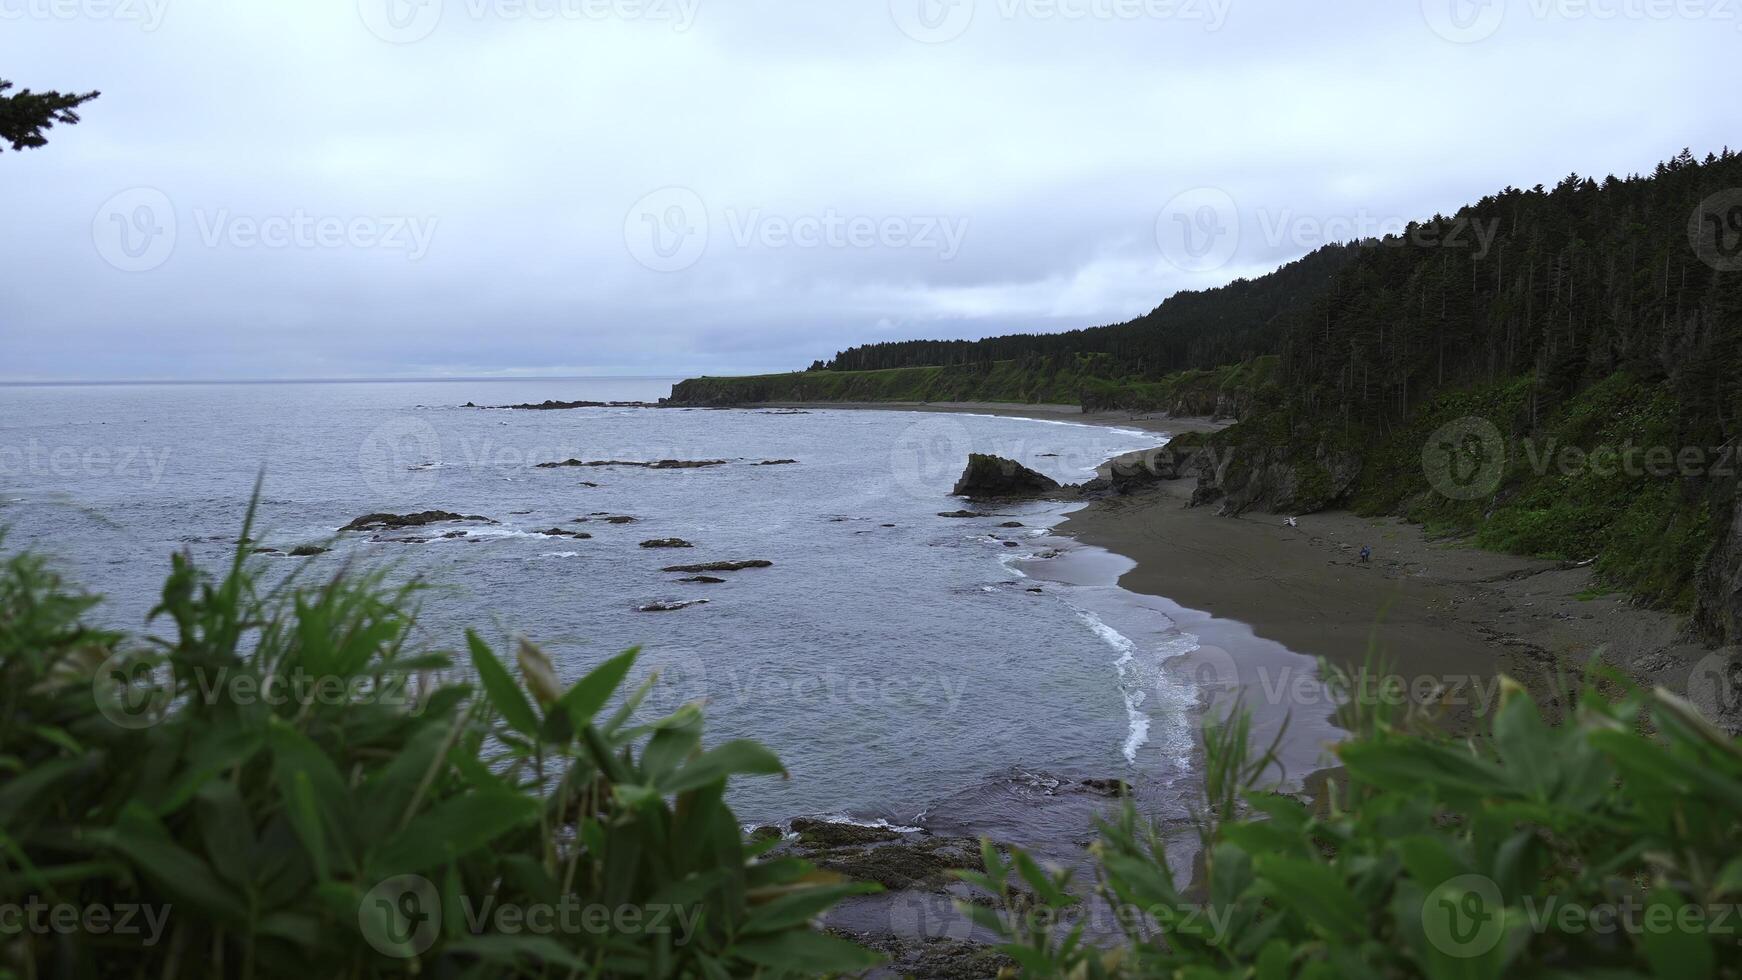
1366,553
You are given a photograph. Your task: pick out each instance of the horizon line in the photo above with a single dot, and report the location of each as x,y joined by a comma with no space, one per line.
100,382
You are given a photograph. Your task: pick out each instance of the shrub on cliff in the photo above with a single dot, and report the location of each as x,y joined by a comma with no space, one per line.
282,786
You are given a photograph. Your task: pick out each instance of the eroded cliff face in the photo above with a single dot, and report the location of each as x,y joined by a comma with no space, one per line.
1282,479
1718,596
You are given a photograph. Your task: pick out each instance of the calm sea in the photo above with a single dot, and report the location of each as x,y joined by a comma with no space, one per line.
906,667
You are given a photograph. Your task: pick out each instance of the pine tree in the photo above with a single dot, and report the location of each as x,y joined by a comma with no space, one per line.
26,116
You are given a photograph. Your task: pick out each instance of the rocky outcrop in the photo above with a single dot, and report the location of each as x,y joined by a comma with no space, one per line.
669,605
557,532
720,566
548,405
666,543
659,464
1284,479
308,551
994,477
960,513
390,522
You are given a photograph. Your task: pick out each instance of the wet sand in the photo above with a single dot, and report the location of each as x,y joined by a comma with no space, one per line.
1429,610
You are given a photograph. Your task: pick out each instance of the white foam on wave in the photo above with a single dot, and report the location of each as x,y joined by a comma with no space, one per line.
1139,675
558,554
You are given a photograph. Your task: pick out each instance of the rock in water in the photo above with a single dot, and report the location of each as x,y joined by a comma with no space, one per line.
719,566
995,476
666,543
370,522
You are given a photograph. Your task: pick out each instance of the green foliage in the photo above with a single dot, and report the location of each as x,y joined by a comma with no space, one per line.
287,787
26,116
1600,847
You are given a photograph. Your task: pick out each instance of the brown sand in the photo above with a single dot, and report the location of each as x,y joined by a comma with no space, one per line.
1430,609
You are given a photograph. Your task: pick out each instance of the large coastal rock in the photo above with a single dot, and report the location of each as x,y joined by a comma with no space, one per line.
1287,479
393,522
995,477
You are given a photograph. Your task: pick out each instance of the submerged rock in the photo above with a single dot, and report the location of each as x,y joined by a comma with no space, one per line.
829,833
308,550
961,513
669,605
666,543
660,464
703,579
557,532
777,462
720,566
989,476
1011,524
371,522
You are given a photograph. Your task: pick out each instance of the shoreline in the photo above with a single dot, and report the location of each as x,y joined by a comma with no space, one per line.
1432,610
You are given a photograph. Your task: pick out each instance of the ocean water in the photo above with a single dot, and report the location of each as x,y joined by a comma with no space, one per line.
907,667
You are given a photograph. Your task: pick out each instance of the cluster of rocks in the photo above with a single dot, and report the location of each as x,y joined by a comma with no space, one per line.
549,404
394,522
658,464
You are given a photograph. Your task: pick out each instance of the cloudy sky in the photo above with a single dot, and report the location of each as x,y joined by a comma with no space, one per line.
371,188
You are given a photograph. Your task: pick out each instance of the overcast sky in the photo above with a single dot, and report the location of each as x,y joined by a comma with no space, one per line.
345,188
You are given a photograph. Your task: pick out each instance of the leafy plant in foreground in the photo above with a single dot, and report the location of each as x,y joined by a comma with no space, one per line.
1608,846
284,787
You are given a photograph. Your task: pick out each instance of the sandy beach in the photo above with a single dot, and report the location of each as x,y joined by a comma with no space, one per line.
1432,611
